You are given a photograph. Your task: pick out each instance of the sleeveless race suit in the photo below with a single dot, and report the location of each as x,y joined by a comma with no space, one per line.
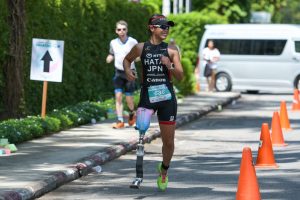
157,91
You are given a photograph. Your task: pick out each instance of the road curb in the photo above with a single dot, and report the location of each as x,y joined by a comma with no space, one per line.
70,174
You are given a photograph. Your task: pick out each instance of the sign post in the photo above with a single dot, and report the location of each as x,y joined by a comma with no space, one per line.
46,64
44,101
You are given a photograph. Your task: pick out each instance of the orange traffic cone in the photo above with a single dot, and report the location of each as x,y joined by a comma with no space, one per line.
248,188
296,101
284,119
265,156
277,136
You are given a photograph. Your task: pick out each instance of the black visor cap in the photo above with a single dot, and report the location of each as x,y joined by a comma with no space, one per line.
162,21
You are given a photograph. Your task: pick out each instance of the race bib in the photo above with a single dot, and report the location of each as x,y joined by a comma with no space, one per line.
159,93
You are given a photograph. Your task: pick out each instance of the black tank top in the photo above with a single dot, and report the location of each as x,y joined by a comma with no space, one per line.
154,72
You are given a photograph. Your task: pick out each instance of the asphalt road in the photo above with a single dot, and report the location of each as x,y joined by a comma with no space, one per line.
206,161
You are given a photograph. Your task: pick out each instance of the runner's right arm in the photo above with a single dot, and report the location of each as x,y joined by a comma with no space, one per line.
135,52
110,56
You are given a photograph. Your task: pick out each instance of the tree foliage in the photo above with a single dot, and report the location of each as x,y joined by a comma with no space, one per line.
235,11
272,6
155,4
290,14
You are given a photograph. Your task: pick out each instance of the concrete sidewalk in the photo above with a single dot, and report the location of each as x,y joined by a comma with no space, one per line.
44,164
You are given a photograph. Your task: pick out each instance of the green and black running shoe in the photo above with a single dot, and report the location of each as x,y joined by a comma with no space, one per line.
162,180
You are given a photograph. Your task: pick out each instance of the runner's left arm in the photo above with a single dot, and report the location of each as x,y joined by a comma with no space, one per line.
177,71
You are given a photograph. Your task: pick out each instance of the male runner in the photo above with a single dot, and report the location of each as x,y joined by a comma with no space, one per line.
160,63
119,47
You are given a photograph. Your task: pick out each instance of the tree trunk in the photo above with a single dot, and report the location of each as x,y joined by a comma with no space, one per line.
13,65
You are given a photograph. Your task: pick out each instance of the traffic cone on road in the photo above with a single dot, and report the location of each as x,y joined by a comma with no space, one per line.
265,155
277,136
296,101
248,188
284,119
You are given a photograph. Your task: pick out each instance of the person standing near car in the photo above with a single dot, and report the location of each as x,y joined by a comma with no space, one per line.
211,57
119,48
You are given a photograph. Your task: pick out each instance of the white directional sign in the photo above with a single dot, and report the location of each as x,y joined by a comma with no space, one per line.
47,60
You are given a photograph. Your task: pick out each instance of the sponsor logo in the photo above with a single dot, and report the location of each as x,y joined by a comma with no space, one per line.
172,118
156,80
157,55
148,55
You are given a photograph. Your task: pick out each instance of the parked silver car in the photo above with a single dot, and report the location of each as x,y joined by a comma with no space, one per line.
254,57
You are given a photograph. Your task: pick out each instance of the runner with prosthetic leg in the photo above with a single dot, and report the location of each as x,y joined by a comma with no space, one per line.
160,63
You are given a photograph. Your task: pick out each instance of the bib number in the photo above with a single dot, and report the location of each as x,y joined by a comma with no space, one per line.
158,93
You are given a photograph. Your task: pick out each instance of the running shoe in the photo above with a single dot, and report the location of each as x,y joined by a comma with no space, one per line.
162,180
118,125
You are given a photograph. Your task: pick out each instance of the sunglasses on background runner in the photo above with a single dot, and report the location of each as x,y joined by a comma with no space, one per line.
121,29
163,27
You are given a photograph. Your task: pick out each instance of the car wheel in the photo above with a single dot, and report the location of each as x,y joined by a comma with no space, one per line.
297,82
223,82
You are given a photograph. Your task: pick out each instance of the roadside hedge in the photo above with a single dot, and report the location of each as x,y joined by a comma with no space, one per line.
20,130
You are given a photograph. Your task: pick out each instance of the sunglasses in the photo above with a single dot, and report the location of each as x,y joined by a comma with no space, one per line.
163,27
121,29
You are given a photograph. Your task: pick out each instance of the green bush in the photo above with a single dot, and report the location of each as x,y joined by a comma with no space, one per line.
65,121
20,130
51,124
187,84
154,5
17,130
34,127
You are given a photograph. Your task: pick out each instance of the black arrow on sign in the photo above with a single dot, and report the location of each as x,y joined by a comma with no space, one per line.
47,58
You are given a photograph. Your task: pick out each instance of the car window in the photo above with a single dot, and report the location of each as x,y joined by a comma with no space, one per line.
297,46
249,46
